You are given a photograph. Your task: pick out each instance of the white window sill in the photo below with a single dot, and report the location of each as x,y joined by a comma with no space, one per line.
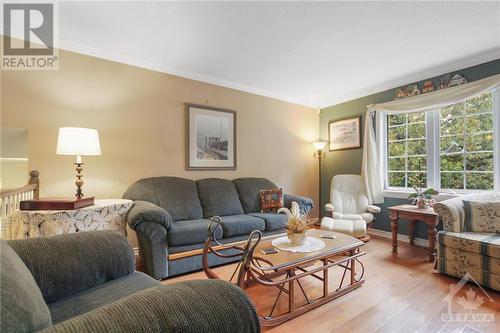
402,194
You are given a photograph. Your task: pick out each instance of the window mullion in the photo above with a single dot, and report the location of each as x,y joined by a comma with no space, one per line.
496,139
433,156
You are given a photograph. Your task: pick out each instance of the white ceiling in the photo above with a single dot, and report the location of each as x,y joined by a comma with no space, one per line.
315,54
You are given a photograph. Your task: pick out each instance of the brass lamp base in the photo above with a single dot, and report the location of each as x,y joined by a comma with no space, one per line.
79,180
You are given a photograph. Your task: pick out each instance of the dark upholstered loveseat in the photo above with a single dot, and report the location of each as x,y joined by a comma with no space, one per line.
170,216
86,282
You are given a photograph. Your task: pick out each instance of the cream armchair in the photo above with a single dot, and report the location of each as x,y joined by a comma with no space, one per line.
349,208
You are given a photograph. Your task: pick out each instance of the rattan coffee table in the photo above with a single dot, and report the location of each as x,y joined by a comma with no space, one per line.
283,270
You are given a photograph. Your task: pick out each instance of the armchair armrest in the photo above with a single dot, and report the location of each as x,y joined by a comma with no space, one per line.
305,204
191,306
65,265
373,209
144,211
329,207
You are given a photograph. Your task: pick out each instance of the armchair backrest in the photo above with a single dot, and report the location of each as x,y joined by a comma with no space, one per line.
348,195
452,211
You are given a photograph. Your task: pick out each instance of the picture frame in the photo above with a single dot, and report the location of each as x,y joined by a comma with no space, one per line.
344,134
211,138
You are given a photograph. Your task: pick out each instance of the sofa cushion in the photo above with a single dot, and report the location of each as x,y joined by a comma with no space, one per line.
218,197
249,192
482,243
482,216
190,232
274,221
103,294
178,196
23,308
236,225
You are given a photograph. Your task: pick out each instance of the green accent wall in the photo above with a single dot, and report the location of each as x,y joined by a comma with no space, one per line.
349,161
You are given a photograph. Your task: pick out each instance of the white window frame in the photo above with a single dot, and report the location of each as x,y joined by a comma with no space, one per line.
433,153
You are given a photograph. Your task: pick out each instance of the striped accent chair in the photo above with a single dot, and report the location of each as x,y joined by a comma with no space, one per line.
461,251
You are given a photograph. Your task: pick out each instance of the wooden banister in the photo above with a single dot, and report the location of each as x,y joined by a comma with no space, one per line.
10,199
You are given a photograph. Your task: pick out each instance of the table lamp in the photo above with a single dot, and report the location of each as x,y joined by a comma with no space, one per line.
78,141
319,154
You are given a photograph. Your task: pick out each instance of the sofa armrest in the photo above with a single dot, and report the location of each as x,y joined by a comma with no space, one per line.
144,211
191,306
65,265
373,209
305,204
452,213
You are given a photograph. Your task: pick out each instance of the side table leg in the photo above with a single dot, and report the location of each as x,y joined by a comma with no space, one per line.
431,231
394,227
412,232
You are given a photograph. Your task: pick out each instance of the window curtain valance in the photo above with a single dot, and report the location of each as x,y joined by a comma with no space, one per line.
372,175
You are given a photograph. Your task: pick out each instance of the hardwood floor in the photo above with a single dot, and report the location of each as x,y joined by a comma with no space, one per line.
402,293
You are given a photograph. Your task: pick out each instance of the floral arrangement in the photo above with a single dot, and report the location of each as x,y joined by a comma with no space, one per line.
297,223
422,196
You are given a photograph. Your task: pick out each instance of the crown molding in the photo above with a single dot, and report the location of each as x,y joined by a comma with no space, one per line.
120,58
418,76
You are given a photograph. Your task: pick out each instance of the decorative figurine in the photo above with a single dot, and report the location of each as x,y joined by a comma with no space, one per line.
457,80
413,90
444,82
427,87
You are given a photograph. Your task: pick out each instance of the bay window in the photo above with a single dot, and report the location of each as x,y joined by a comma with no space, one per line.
455,148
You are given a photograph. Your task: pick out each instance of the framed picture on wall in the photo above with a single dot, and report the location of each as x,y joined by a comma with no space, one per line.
344,134
211,141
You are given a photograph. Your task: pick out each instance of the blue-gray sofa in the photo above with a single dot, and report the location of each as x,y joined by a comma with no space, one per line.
170,216
86,282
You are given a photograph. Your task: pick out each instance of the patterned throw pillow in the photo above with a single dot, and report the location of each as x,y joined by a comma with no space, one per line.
271,200
482,216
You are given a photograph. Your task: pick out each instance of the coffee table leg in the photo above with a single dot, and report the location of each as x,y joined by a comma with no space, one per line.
325,278
353,268
394,228
291,292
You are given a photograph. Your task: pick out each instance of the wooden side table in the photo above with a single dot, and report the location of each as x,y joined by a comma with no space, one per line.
414,214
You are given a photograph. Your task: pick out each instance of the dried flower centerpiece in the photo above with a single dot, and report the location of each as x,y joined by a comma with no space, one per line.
297,224
422,196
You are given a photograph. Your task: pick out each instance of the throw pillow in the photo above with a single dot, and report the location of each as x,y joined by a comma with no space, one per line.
482,216
271,200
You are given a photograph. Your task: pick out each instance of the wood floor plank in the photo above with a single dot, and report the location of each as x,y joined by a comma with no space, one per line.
402,293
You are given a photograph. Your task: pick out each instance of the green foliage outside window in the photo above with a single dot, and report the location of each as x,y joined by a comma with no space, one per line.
466,145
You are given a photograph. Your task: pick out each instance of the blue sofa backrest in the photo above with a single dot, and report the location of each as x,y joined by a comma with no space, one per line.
249,190
179,196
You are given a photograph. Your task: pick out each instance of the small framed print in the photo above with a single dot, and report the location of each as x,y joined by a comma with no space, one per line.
344,134
211,142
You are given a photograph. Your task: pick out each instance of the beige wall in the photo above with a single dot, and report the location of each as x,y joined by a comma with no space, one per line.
140,116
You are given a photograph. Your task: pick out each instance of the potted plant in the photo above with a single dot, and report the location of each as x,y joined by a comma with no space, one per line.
296,226
422,196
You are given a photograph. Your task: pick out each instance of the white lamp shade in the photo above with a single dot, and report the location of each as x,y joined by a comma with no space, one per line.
319,145
78,141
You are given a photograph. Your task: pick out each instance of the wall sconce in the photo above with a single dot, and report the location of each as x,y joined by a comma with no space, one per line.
319,155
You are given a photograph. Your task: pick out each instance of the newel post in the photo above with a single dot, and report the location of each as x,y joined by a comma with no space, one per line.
35,181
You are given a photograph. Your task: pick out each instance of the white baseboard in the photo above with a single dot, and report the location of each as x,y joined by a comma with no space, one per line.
401,238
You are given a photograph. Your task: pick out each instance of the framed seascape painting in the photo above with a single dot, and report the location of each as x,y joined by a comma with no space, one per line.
211,142
344,134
